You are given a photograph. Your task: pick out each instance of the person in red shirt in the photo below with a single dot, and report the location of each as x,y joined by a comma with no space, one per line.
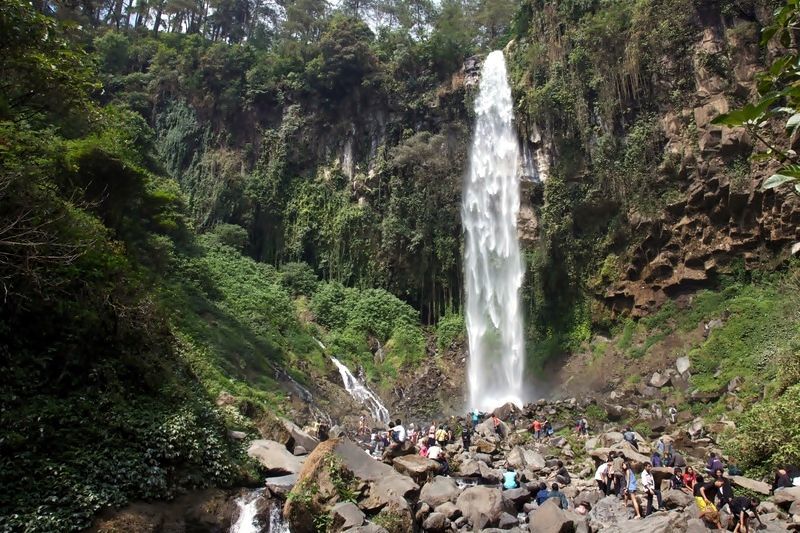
537,429
689,478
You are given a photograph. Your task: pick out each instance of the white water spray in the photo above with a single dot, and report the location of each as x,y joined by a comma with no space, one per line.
362,394
492,261
246,523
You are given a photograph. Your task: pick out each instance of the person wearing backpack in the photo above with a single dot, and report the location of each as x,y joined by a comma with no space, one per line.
441,436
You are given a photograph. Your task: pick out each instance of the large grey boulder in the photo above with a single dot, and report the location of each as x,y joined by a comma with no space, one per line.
518,497
415,466
438,491
449,509
281,485
346,515
786,497
550,518
751,484
274,457
435,522
676,499
520,458
483,506
490,475
299,437
469,468
683,364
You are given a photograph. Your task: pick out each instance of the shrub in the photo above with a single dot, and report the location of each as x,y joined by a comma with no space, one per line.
449,329
299,279
230,235
379,312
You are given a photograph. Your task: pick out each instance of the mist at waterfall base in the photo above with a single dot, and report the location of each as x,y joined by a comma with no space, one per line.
493,265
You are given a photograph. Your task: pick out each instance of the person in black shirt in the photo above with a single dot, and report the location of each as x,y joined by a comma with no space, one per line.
726,490
704,494
782,480
562,475
740,507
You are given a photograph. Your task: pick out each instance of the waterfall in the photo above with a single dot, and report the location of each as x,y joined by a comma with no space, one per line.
248,522
493,265
362,394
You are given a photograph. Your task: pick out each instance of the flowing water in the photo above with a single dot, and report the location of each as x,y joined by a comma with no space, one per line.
492,261
362,394
248,522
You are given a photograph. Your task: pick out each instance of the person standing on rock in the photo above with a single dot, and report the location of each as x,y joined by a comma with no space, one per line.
601,477
655,459
475,416
432,434
650,490
537,429
629,493
441,436
630,437
548,428
466,437
497,425
673,414
726,490
619,475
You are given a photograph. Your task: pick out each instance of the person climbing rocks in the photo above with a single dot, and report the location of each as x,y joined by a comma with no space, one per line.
650,489
630,437
741,507
475,416
673,414
655,459
436,453
510,480
559,496
708,511
629,492
548,428
617,460
726,490
441,436
497,425
542,494
466,437
713,464
537,429
663,446
432,434
582,427
423,448
601,477
690,478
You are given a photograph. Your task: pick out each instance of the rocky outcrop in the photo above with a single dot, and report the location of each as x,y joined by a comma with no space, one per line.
483,506
274,457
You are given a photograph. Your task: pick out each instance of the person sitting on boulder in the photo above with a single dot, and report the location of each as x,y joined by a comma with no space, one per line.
713,464
510,480
601,477
734,470
689,478
629,492
741,507
562,475
782,480
560,497
655,459
412,433
705,494
630,437
543,494
650,489
436,453
676,481
398,432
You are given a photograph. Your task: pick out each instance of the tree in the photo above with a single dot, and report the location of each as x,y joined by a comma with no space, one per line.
779,91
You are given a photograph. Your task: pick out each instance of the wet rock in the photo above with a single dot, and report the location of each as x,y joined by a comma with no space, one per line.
282,485
482,506
274,457
440,490
346,515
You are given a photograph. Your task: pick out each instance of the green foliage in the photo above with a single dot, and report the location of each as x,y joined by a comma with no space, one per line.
230,235
299,279
450,329
767,436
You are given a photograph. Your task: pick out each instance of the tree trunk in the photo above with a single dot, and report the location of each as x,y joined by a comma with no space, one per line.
157,23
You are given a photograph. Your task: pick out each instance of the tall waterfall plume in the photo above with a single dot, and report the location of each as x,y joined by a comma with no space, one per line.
493,265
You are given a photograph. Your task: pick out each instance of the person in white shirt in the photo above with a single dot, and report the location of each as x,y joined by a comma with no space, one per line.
399,432
436,453
650,489
601,476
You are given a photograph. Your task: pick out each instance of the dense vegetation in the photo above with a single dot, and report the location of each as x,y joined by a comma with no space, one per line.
195,197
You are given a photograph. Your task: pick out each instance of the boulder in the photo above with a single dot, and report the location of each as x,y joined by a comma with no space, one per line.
448,509
490,475
676,499
786,497
438,491
505,411
298,437
485,446
282,485
416,467
469,468
482,506
274,457
683,364
518,497
346,515
507,521
435,522
751,484
550,518
368,528
659,380
695,525
519,458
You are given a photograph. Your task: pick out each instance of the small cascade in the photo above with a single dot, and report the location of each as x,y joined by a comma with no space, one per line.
362,394
247,521
276,523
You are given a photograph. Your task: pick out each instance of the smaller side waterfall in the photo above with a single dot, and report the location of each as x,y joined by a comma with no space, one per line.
247,522
276,523
362,394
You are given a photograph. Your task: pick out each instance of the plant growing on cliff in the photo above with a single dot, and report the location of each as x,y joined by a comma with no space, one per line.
779,92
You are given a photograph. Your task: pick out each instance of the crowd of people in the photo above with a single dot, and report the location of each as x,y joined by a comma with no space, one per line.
711,489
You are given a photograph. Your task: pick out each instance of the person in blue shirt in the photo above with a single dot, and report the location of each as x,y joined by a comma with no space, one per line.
510,480
562,499
543,494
